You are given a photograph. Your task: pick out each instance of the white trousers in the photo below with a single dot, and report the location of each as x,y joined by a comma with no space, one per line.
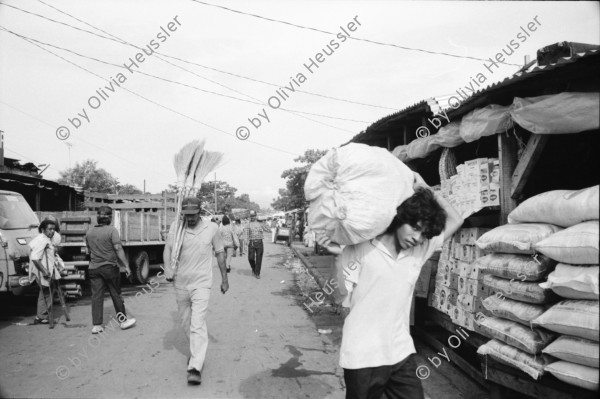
273,232
192,305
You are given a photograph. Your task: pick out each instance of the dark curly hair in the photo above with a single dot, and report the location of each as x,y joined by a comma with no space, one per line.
45,223
422,212
225,221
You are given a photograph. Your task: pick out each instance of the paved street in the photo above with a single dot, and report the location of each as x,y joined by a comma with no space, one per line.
263,344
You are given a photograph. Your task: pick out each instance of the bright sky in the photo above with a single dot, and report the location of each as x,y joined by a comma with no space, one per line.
135,139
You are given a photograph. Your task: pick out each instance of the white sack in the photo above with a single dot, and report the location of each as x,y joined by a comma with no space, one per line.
576,245
530,364
564,208
574,282
354,191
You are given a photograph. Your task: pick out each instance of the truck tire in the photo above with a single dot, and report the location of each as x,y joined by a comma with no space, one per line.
140,267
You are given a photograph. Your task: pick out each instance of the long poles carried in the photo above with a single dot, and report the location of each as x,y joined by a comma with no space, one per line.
192,164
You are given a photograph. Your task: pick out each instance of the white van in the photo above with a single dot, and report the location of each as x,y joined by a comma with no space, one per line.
18,226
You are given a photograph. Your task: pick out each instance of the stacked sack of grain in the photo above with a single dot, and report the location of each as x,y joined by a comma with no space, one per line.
512,273
574,280
458,283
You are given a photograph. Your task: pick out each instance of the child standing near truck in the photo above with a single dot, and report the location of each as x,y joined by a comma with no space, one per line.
43,268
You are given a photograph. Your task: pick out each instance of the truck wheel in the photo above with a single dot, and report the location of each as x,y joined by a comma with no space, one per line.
141,267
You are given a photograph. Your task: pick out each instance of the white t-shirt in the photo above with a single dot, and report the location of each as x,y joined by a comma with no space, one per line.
195,258
42,249
376,332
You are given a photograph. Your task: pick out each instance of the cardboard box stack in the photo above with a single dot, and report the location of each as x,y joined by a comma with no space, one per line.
477,185
458,283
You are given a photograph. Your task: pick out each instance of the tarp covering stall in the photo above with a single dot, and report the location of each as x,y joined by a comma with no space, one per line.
557,113
564,113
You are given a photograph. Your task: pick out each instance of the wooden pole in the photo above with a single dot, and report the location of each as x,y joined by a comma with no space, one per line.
215,193
165,208
507,155
37,197
1,148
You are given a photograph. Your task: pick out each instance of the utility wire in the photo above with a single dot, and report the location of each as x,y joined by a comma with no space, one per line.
145,167
350,37
121,41
158,104
185,84
210,68
118,40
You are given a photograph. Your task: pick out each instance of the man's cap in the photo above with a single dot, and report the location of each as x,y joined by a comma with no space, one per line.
252,213
105,211
190,206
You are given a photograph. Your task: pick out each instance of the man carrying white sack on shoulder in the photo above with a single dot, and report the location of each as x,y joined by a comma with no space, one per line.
380,275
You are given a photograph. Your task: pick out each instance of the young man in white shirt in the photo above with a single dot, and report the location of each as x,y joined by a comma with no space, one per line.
380,275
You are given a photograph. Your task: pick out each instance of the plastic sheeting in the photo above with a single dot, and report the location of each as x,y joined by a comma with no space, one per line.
564,113
448,136
486,121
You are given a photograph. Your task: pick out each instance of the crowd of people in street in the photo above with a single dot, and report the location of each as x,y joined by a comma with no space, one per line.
376,350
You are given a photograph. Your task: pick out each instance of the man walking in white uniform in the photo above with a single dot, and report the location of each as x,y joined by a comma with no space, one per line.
193,280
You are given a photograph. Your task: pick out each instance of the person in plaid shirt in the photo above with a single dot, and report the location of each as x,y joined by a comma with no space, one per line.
253,235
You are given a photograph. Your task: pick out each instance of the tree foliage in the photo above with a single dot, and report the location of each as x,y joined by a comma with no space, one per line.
243,201
128,189
89,177
226,198
292,196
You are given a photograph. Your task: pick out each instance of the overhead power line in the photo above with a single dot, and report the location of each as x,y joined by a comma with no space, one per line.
258,102
118,40
350,37
158,104
145,167
174,81
121,41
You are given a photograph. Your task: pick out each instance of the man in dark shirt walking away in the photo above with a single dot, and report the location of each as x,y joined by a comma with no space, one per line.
106,252
253,235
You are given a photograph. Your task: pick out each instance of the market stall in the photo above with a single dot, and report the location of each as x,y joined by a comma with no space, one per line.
513,298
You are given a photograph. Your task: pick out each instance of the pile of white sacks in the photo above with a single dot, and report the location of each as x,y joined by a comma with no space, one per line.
544,272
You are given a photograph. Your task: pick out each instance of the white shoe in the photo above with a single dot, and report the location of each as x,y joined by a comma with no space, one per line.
97,329
127,324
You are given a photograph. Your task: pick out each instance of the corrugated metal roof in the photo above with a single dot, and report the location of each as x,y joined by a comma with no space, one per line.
422,105
429,106
533,70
